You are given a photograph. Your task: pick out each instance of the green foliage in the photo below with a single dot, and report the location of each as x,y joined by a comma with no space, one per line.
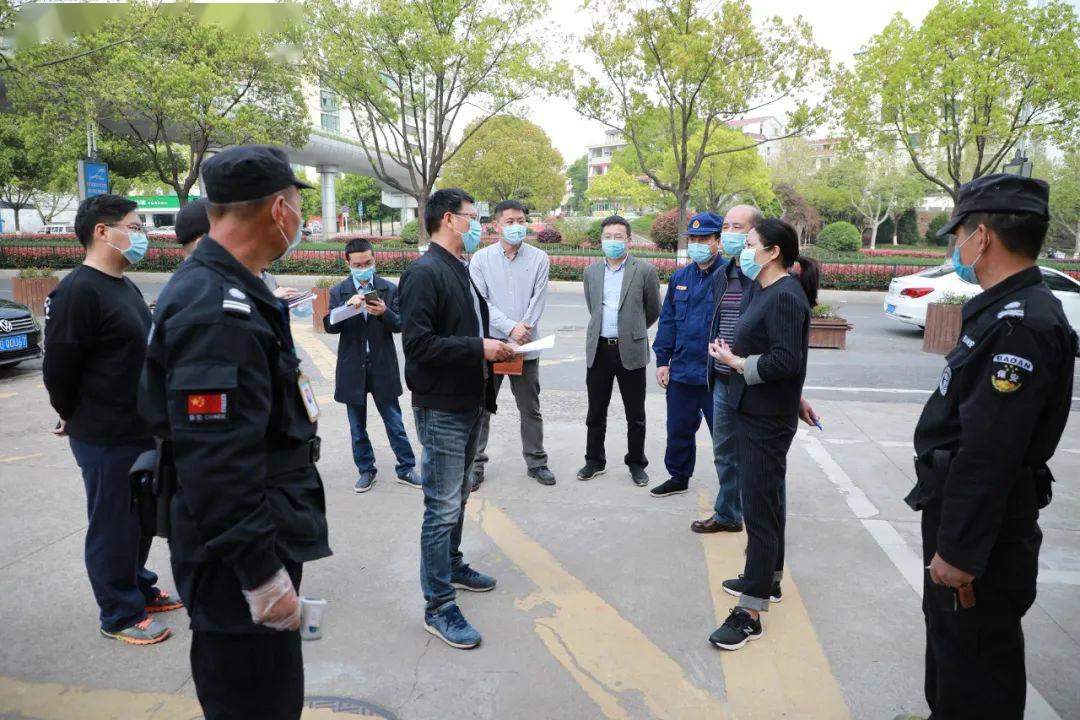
33,273
936,223
962,88
733,174
575,231
410,232
823,312
665,230
949,298
621,189
840,237
1064,178
592,233
643,225
508,159
326,282
578,172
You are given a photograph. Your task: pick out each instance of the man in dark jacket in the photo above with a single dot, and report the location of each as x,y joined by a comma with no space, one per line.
222,386
447,356
367,363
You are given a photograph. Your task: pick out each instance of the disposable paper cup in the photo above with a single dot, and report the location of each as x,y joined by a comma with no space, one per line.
311,617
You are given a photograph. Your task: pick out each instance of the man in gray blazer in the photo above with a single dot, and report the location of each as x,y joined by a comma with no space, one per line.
623,297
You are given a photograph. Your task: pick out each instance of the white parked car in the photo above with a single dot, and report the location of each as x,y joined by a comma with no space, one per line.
909,295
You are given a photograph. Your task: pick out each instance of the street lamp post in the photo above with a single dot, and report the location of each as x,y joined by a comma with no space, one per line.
1019,165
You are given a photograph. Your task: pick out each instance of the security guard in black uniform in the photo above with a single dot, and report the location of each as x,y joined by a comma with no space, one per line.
222,386
982,445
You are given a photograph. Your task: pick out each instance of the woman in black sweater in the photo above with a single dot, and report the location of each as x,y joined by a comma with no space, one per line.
769,359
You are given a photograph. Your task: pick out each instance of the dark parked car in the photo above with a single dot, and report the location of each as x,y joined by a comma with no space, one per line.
20,336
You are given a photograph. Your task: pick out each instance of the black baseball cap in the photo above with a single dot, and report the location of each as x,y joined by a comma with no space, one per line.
192,222
247,172
1000,193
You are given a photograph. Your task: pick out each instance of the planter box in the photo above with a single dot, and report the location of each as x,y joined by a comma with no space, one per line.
830,333
33,291
943,324
320,307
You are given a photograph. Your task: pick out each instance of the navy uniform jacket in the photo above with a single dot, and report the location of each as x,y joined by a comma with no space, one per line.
220,386
358,372
682,334
990,427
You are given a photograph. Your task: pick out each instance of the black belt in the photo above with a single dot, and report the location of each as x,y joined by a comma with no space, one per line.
722,377
609,341
294,458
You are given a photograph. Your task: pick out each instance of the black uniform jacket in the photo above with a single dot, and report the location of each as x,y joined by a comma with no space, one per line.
366,359
221,386
995,420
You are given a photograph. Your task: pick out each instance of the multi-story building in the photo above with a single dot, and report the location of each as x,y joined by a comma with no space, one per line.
823,151
600,155
759,129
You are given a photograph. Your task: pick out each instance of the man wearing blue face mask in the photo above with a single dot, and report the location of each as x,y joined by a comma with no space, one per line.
96,323
512,276
367,363
681,348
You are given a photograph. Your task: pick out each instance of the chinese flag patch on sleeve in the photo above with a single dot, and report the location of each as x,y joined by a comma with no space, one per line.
207,406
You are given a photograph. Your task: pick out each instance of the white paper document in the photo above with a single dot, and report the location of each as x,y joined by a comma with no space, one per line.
541,344
343,312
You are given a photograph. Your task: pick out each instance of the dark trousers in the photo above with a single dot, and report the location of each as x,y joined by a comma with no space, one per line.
975,657
115,549
526,389
363,454
244,676
687,405
599,380
763,443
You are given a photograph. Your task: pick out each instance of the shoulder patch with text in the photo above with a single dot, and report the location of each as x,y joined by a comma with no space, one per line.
1008,372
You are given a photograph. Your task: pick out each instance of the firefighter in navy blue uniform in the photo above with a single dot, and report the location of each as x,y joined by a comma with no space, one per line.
222,387
982,445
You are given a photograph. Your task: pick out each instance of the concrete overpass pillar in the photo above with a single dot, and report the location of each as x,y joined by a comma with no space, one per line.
327,178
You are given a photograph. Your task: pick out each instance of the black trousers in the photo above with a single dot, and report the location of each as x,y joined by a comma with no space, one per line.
607,367
763,442
975,657
244,676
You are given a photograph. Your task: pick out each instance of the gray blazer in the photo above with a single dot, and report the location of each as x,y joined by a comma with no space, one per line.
639,308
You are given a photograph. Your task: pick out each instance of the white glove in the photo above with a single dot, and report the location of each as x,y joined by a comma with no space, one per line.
275,603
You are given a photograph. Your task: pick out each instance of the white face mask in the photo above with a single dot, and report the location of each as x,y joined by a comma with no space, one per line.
290,245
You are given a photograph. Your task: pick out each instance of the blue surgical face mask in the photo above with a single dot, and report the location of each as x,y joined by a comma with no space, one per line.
733,242
613,249
748,264
362,275
965,272
514,234
137,246
471,237
700,252
297,238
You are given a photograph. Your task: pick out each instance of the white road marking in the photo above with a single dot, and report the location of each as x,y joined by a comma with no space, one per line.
888,391
904,558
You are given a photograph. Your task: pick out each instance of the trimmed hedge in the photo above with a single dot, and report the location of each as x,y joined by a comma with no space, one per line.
665,230
840,237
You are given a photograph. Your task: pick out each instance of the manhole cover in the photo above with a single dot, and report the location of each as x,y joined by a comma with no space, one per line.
352,706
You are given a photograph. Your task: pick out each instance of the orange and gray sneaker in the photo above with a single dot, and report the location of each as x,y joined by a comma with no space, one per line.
163,602
147,632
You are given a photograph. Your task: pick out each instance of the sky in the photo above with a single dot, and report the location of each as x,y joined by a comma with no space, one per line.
840,26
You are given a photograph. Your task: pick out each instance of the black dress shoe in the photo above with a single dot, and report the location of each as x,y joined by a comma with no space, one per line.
639,476
589,472
542,475
712,525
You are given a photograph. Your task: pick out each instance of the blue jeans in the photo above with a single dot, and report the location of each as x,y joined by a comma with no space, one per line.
115,550
363,455
449,441
728,506
686,406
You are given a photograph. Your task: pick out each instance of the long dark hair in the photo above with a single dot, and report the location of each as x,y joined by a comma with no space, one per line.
777,233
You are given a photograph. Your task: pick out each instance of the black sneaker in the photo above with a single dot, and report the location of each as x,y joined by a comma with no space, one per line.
590,471
672,486
639,476
735,587
542,475
737,630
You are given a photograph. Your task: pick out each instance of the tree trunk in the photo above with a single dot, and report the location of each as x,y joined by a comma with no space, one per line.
422,233
683,199
896,230
873,234
1076,237
17,208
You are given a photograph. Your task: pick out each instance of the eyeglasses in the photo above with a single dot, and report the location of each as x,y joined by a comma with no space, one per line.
135,227
612,238
473,216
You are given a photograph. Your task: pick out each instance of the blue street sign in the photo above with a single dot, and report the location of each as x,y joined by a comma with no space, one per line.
93,178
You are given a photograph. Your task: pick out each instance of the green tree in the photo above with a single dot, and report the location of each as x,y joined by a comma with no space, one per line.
621,189
877,186
578,172
672,74
405,69
508,159
959,92
1064,179
172,91
729,176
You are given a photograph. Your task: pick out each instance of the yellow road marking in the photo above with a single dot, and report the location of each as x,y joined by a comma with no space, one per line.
785,673
16,458
52,701
324,358
606,654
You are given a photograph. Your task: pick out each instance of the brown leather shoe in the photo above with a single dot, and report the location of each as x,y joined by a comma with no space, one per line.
712,525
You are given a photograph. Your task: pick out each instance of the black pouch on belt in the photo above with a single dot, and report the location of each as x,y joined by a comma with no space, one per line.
143,478
931,471
1044,480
